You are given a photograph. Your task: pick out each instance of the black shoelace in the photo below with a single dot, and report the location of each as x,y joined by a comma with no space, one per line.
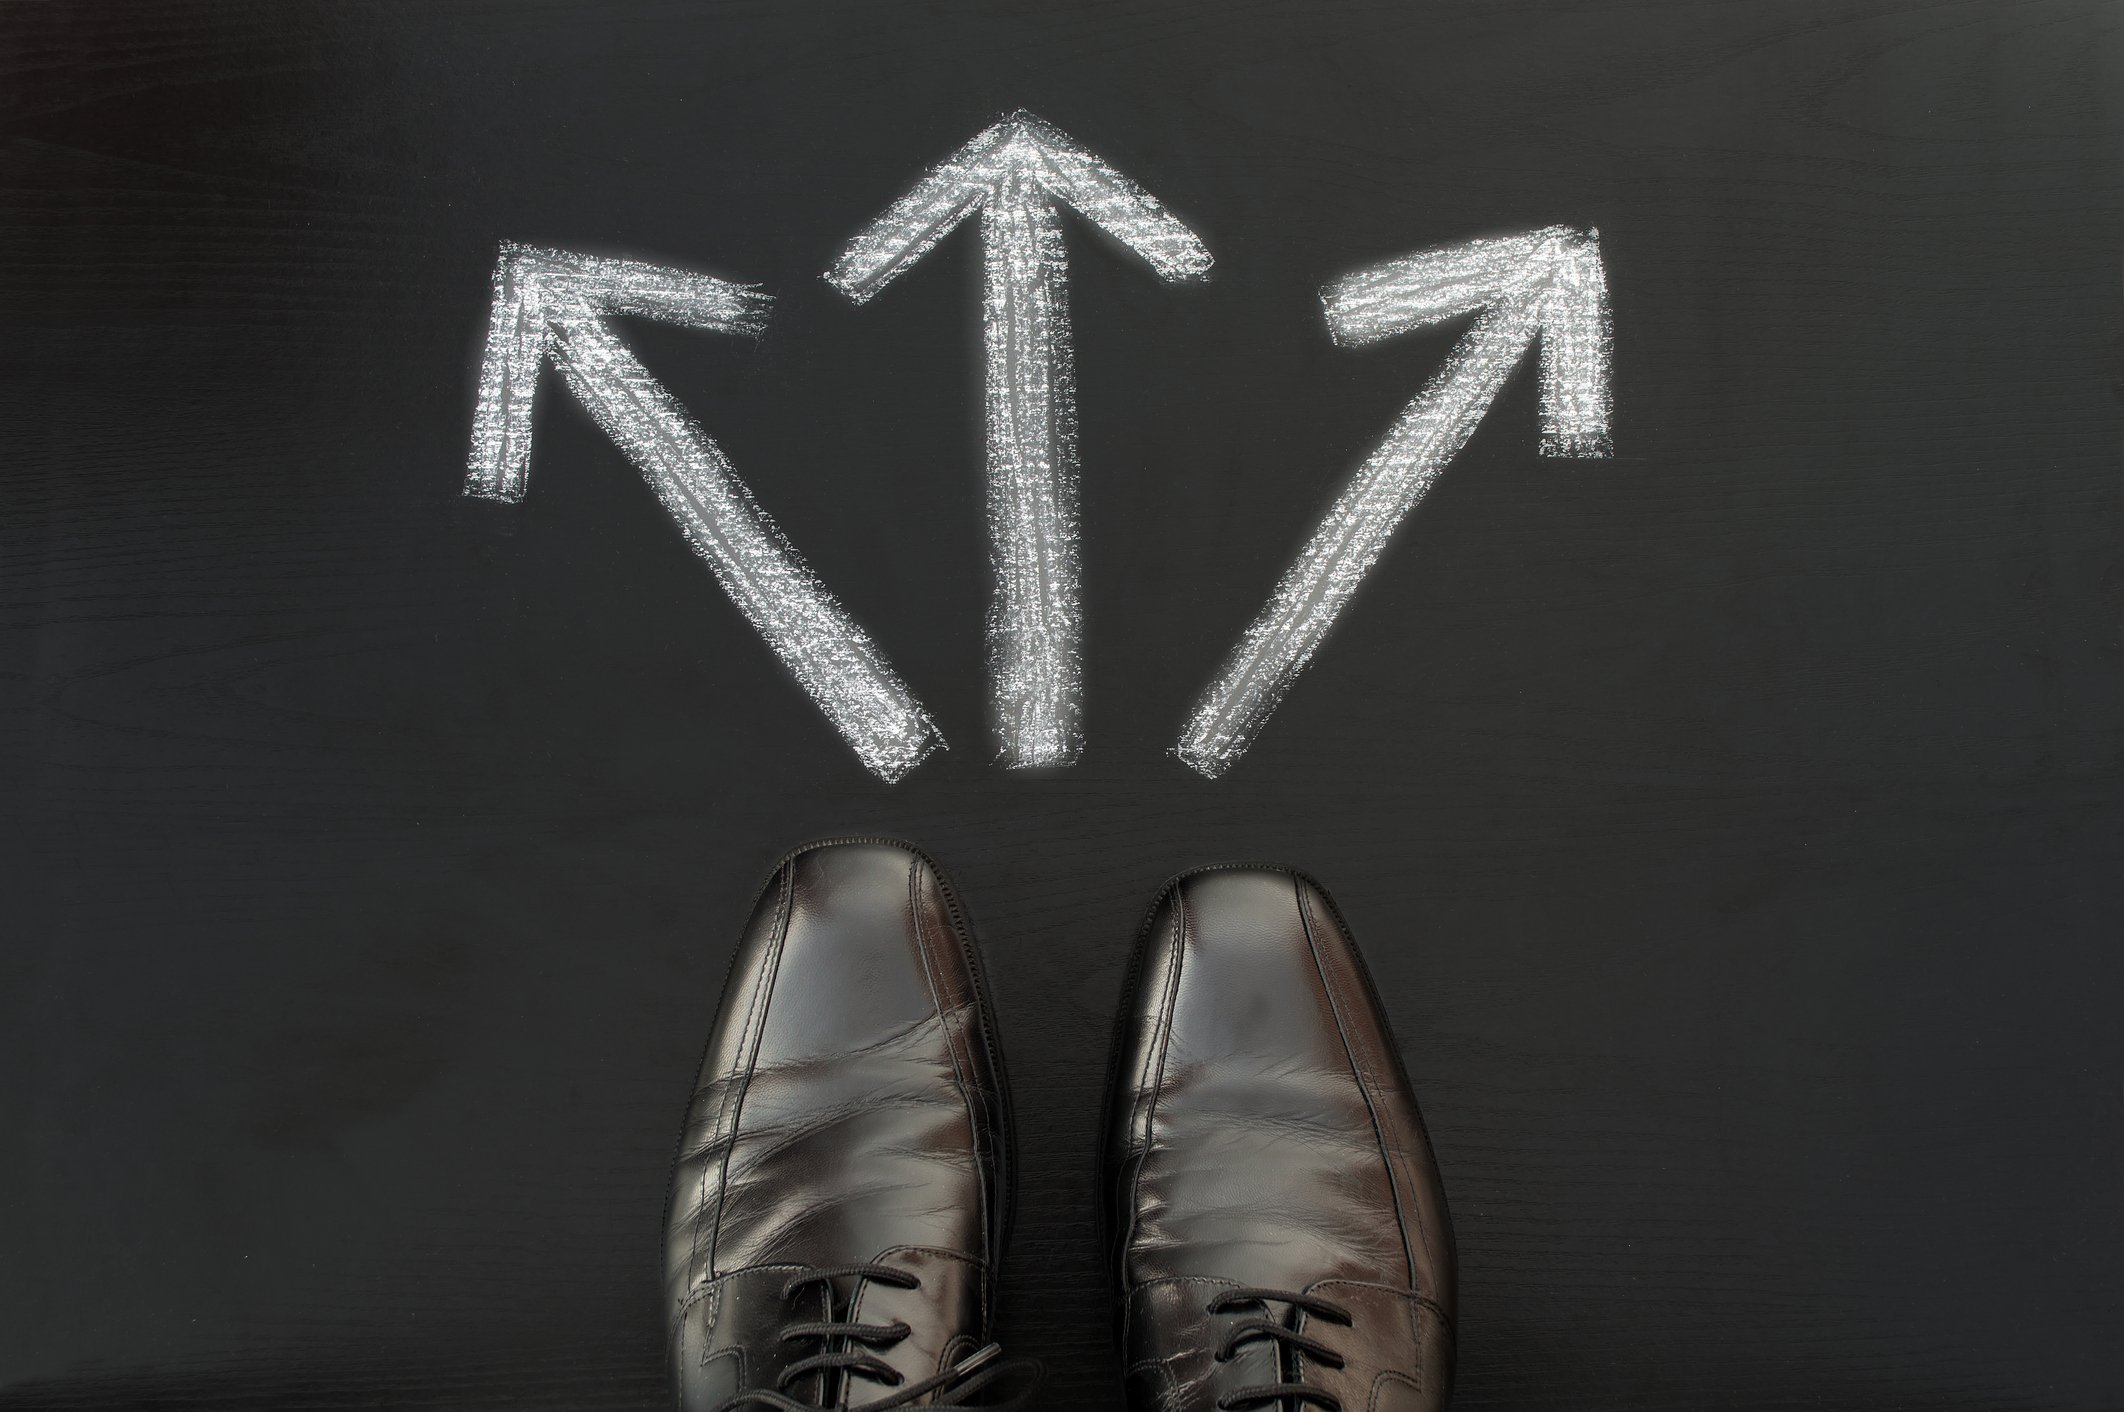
852,1348
1287,1340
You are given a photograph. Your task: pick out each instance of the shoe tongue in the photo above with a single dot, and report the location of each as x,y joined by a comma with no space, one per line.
1173,1341
731,1341
943,1317
1255,1362
814,1303
1286,1362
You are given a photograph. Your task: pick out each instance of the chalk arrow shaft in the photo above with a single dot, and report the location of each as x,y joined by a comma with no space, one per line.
1545,286
1315,589
1017,174
1035,619
551,305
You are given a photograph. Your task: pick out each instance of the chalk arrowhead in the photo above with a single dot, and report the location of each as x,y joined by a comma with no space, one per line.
1021,160
606,286
1551,281
537,292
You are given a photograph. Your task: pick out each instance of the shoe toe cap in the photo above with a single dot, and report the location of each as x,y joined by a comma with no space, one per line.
1263,1130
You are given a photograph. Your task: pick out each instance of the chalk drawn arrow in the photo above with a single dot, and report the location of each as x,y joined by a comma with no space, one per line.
549,304
1547,285
1018,174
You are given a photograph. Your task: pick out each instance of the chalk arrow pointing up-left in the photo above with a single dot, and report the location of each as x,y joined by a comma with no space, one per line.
1018,174
549,304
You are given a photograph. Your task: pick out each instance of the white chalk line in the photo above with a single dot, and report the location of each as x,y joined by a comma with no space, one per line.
552,304
1017,173
1546,285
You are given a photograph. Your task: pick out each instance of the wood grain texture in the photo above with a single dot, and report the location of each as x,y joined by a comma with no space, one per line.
1733,827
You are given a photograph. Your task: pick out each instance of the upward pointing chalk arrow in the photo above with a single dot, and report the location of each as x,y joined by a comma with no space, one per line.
1546,285
552,304
1017,174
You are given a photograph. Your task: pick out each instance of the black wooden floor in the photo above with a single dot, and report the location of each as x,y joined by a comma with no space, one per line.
1734,826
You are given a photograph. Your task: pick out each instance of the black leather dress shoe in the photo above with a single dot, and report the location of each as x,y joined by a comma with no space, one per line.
1278,1227
838,1205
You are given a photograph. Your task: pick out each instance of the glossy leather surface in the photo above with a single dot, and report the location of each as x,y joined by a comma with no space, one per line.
1261,1133
849,1111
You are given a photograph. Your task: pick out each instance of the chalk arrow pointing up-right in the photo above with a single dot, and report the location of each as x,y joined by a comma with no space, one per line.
1018,174
1546,285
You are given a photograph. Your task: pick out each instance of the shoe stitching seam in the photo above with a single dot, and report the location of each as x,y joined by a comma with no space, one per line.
1411,1296
951,1040
1165,1040
742,1080
1379,1386
1387,1150
978,1265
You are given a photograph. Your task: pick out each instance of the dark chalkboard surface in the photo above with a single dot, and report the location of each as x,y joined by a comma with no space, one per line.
1734,823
